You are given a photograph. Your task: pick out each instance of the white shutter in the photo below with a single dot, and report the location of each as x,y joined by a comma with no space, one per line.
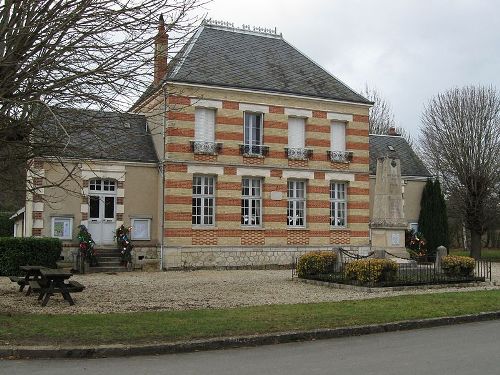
337,136
296,132
204,126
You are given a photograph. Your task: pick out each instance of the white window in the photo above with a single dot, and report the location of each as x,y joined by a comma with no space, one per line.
296,132
203,206
141,228
204,128
102,185
251,201
337,136
253,133
62,227
338,204
296,212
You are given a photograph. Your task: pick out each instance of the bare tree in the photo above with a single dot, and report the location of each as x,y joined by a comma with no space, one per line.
381,118
460,140
74,54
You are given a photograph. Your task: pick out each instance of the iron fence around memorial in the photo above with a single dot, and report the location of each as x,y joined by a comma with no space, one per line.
405,275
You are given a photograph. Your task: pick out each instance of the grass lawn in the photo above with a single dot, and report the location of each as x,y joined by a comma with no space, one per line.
492,255
168,326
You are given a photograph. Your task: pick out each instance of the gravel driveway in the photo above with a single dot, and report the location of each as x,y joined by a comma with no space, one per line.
179,290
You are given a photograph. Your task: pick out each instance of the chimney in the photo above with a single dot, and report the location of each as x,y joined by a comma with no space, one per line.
161,50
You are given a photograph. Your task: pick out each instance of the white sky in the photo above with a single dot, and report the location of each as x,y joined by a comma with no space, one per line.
409,50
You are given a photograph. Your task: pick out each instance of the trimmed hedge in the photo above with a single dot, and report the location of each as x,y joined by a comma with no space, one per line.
454,265
316,263
372,270
15,252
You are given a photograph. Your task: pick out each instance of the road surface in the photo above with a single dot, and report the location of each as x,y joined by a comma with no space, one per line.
466,349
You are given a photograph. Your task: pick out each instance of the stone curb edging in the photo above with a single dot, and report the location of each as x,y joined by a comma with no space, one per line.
35,352
394,288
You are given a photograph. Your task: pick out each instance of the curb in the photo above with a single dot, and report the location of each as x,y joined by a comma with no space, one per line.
38,352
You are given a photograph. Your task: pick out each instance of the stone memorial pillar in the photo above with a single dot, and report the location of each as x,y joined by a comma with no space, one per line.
440,253
388,223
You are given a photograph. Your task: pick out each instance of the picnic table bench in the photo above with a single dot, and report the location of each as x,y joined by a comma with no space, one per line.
54,281
30,273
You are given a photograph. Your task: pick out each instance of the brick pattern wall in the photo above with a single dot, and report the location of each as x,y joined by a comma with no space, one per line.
229,130
252,237
340,237
204,237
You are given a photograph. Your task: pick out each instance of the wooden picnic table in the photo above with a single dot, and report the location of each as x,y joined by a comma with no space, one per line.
54,281
31,273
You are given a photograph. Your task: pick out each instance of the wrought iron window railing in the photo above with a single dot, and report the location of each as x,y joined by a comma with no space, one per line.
254,150
298,153
206,148
340,156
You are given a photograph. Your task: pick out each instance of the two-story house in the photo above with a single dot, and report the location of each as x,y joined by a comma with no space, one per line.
265,153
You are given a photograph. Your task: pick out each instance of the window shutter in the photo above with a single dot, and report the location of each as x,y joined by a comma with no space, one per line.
204,127
296,132
337,136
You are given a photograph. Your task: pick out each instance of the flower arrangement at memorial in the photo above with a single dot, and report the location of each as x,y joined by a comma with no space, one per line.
124,244
86,248
415,244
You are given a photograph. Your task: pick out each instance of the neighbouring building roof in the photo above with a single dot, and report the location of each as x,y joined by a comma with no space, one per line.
235,58
389,145
98,135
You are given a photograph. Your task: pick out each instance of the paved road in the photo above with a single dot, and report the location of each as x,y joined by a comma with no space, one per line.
467,349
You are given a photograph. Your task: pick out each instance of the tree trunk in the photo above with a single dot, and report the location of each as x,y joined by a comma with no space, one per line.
475,250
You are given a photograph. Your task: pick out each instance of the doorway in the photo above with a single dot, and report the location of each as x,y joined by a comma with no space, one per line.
102,210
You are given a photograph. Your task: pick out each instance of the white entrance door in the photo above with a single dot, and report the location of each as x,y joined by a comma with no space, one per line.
102,211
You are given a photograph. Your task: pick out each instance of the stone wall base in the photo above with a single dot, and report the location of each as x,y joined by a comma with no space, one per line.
240,257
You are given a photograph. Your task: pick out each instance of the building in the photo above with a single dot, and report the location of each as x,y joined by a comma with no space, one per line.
242,152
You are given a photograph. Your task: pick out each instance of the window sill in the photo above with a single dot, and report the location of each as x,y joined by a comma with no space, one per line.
203,227
297,228
250,228
339,228
258,156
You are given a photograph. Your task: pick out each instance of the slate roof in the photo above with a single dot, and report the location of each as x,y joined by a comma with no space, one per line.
411,165
99,135
238,59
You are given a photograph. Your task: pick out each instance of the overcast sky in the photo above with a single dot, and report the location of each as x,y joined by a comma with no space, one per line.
409,50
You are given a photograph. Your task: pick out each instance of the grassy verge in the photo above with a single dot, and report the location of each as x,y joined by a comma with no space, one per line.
492,255
182,325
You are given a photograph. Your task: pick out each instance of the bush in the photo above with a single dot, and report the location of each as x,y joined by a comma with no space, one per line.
15,252
316,263
371,270
454,265
6,225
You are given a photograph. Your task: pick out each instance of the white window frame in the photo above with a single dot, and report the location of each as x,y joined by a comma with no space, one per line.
251,141
338,204
133,222
333,138
206,198
413,225
200,131
292,140
62,218
294,202
253,200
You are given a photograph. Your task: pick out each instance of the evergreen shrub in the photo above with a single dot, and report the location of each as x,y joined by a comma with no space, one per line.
371,270
15,252
454,265
316,263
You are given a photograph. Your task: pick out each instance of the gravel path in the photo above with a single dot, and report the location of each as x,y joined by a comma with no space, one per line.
153,291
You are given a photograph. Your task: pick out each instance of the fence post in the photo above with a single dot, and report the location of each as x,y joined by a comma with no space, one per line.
440,253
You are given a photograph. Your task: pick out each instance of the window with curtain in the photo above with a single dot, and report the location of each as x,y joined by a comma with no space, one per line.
296,212
204,128
251,201
338,204
253,129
